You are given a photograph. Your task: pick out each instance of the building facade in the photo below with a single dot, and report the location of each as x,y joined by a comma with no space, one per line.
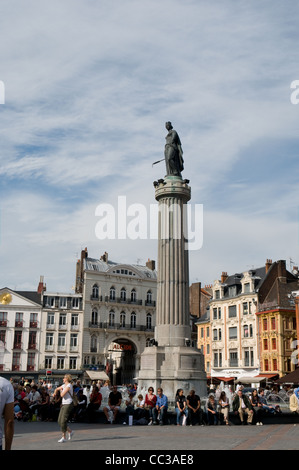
20,326
277,323
119,314
61,335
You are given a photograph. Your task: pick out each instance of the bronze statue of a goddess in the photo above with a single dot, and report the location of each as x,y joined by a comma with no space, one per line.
173,152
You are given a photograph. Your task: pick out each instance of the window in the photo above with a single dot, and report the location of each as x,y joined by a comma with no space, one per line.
95,291
233,359
265,324
133,320
217,294
60,362
149,297
93,343
273,323
232,311
215,334
61,341
266,365
123,294
74,320
18,340
247,287
73,363
148,321
62,320
245,308
133,295
122,319
265,342
50,319
275,364
94,317
3,318
217,359
49,340
273,343
32,340
75,302
74,341
112,293
19,319
248,358
245,331
48,362
111,318
215,313
233,332
30,361
62,302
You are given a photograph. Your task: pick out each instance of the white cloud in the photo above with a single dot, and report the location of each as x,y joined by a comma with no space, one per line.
88,90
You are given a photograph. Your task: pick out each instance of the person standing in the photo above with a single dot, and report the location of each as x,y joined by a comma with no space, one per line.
7,410
66,393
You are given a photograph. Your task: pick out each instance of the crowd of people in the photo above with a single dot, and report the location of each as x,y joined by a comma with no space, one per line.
41,401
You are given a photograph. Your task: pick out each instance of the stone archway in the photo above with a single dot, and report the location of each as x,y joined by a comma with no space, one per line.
122,357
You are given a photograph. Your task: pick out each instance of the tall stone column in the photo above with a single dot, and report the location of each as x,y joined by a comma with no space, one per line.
172,314
172,363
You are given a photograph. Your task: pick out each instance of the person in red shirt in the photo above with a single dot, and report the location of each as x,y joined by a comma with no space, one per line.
150,403
94,404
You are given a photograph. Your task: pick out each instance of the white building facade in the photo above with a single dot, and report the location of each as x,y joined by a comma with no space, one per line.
234,325
119,314
61,335
20,326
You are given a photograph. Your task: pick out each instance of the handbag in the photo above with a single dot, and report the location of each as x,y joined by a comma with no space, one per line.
75,399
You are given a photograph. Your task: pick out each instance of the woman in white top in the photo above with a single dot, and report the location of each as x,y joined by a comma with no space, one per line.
66,392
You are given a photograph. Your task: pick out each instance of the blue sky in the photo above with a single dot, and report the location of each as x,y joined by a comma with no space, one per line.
88,88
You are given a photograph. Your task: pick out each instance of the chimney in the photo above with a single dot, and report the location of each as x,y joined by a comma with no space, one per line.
282,272
150,264
41,286
104,257
224,276
268,264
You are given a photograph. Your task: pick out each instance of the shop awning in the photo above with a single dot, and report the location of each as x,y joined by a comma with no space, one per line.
249,380
97,374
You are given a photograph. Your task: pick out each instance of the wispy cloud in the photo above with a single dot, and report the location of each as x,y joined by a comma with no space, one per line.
88,90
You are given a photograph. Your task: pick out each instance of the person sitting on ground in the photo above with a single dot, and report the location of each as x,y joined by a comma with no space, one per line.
266,407
34,398
80,409
139,411
181,407
195,413
257,407
242,405
223,407
150,403
211,408
114,402
130,404
94,403
294,401
160,410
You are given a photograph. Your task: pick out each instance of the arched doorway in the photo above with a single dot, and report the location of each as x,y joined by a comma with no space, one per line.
122,357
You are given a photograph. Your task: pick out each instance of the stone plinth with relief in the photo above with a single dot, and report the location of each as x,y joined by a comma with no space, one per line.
171,362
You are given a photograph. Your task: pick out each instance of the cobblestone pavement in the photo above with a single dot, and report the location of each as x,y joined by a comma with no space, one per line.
44,436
